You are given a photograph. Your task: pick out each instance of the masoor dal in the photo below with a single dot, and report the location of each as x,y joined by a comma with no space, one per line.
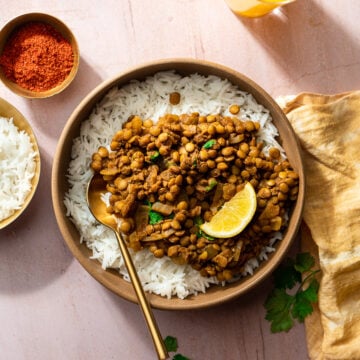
17,167
149,99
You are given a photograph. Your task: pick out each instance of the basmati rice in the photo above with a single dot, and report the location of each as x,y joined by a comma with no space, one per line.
17,167
149,99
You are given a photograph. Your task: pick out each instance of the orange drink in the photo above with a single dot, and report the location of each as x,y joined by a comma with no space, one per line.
255,8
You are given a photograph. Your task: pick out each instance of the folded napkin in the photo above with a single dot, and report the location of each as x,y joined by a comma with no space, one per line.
328,128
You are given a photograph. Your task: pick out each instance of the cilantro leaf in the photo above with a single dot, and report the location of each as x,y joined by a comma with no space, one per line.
171,343
278,305
154,217
286,276
198,221
209,144
200,234
311,293
277,302
283,322
154,156
302,307
304,262
180,357
304,299
212,184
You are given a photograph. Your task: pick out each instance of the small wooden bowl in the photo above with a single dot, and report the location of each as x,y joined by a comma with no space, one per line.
9,111
110,278
9,28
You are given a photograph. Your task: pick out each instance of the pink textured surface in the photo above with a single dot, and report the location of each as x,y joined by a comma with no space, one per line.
50,308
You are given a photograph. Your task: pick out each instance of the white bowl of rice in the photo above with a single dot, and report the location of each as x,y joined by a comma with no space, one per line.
204,88
19,163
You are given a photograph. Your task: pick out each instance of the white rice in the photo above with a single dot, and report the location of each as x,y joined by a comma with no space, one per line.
150,99
17,167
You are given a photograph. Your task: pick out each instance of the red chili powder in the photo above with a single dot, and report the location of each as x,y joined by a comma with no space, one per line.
37,57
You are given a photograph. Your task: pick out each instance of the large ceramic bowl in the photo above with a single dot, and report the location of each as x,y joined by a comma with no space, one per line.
60,27
111,279
9,111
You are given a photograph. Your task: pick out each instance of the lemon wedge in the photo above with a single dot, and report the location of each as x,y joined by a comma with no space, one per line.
235,214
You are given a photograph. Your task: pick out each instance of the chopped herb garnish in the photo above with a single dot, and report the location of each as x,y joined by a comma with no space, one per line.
209,144
200,233
198,221
154,217
154,156
212,184
282,308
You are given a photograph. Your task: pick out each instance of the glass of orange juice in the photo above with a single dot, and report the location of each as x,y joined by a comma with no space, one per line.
255,8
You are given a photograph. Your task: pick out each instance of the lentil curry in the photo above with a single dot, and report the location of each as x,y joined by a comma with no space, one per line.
167,178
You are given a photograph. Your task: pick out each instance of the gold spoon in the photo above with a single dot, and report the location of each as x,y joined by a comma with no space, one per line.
96,187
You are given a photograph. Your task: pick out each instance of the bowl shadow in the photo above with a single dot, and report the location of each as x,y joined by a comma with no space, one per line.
32,251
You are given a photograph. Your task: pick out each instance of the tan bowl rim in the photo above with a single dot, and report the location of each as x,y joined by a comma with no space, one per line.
22,124
200,301
65,31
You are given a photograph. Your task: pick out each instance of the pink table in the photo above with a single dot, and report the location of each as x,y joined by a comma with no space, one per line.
50,308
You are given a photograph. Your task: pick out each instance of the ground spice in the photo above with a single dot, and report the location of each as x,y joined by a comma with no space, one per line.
37,57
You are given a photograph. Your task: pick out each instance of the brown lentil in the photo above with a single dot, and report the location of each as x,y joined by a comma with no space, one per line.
174,98
234,109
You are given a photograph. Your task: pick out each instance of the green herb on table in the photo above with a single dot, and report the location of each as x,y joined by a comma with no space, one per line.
180,357
283,307
171,345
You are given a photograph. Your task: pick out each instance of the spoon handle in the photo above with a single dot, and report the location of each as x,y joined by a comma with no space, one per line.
144,304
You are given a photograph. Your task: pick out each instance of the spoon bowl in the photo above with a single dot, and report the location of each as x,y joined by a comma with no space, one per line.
97,187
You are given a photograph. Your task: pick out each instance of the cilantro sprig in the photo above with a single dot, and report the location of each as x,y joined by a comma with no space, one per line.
283,306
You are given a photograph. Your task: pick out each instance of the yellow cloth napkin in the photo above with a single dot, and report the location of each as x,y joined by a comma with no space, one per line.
328,128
